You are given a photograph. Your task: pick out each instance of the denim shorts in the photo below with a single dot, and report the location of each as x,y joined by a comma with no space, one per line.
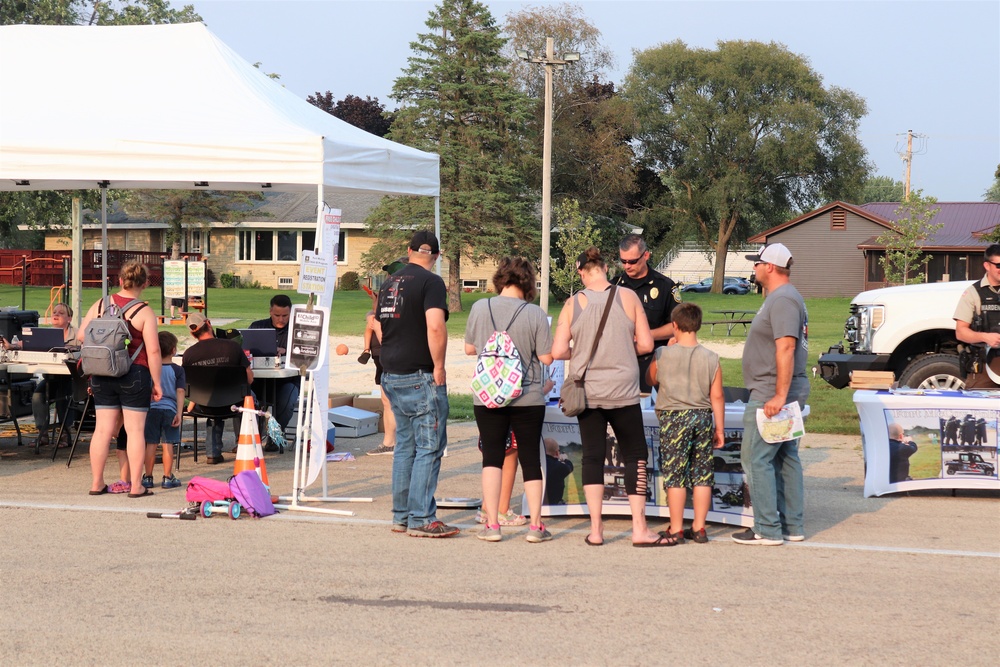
132,391
158,428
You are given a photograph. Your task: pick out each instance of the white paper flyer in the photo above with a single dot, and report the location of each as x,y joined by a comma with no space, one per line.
786,425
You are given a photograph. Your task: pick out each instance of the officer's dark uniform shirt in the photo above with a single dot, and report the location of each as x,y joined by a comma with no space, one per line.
658,295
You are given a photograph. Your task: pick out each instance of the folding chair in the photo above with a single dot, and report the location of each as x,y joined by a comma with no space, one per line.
213,390
82,401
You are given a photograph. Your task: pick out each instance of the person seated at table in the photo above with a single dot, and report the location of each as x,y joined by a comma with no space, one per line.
286,390
219,353
58,386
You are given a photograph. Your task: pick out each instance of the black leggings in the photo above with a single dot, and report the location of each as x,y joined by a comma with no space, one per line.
525,422
627,425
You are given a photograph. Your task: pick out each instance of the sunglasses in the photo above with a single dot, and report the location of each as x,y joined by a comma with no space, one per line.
629,262
758,263
995,264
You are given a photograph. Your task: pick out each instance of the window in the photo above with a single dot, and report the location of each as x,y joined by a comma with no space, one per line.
267,245
838,220
263,246
285,282
195,244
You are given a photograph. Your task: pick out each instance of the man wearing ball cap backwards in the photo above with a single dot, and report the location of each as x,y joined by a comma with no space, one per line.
412,309
774,370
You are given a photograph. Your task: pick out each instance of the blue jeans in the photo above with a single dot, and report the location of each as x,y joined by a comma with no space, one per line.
421,411
286,400
774,473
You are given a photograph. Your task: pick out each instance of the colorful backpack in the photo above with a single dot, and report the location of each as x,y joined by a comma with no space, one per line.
499,371
250,492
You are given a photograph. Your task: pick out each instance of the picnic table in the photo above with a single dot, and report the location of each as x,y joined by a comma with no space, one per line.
731,319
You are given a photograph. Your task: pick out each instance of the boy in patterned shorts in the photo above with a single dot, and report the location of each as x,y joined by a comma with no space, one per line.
689,395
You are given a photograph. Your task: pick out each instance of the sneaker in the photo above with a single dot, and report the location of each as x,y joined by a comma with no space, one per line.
193,507
381,450
490,533
749,537
170,482
147,482
538,534
269,445
432,529
398,528
121,486
510,518
480,516
794,538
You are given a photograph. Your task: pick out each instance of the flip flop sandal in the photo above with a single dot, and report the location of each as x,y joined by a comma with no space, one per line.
145,492
592,544
661,541
99,493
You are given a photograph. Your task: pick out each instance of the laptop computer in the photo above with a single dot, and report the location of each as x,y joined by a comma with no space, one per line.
260,342
43,339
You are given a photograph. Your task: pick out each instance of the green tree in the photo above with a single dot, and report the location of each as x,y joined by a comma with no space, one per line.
368,114
38,210
993,192
574,233
742,135
882,189
592,160
457,101
184,209
905,261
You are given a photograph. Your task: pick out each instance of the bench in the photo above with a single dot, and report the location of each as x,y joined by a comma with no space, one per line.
730,325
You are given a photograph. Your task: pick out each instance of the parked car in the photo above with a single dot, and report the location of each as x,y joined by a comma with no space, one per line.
731,286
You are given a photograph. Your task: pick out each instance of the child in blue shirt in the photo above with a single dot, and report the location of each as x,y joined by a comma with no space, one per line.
163,420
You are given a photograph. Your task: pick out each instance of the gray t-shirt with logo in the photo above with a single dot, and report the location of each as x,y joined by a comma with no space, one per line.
783,314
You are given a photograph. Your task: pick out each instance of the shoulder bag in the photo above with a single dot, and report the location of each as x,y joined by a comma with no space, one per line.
573,398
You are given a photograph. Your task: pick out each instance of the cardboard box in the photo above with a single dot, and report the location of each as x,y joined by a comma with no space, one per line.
337,400
352,422
371,404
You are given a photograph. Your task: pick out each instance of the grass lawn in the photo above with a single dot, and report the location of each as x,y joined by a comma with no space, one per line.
831,410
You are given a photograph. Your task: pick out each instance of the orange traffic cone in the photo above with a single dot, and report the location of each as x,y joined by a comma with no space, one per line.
249,454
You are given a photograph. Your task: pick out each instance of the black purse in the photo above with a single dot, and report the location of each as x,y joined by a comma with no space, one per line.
573,397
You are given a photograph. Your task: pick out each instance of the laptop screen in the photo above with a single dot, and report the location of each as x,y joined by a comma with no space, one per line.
43,339
260,342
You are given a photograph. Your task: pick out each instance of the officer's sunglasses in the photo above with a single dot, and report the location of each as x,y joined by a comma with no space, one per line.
630,262
995,264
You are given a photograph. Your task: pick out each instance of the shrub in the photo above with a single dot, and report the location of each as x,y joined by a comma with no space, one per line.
350,281
227,280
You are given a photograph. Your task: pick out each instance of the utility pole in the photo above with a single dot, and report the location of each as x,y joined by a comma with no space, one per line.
907,157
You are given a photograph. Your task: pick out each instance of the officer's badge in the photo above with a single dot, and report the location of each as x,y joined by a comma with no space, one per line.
676,293
653,293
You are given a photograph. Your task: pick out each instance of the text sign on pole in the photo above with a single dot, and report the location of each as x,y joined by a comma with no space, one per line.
307,337
173,278
196,279
313,275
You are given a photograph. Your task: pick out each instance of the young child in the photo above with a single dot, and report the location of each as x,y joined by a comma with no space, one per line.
163,420
689,395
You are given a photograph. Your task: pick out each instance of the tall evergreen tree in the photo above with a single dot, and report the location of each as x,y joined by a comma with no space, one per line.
457,101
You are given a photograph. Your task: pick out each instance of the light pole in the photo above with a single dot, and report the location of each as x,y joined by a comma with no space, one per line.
550,62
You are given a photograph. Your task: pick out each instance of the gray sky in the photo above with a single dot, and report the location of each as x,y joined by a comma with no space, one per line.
933,67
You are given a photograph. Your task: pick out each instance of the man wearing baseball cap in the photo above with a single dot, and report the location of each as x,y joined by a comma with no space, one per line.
412,310
774,370
214,352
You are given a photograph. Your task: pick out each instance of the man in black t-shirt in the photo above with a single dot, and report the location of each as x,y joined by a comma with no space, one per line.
216,353
658,294
412,309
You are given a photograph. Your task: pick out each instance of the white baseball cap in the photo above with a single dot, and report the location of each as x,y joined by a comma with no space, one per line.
773,253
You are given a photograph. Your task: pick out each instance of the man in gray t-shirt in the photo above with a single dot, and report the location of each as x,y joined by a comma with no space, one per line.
774,369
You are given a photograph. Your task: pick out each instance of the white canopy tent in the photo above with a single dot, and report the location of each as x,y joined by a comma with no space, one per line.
171,106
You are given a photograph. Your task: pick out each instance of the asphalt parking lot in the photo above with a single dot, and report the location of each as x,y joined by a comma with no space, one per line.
90,580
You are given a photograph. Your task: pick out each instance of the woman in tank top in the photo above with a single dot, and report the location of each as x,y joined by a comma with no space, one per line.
126,398
612,388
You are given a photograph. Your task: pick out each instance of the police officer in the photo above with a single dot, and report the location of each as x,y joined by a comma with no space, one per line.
977,322
657,293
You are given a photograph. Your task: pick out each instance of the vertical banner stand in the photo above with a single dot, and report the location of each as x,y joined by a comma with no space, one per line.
303,436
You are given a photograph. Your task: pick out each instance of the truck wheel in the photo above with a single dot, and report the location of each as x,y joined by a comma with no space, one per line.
934,371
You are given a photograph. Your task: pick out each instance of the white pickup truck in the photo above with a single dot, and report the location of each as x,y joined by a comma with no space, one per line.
908,330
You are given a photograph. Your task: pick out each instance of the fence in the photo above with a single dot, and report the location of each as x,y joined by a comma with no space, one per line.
49,268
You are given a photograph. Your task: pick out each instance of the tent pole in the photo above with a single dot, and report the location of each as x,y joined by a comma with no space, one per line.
437,230
76,285
104,239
